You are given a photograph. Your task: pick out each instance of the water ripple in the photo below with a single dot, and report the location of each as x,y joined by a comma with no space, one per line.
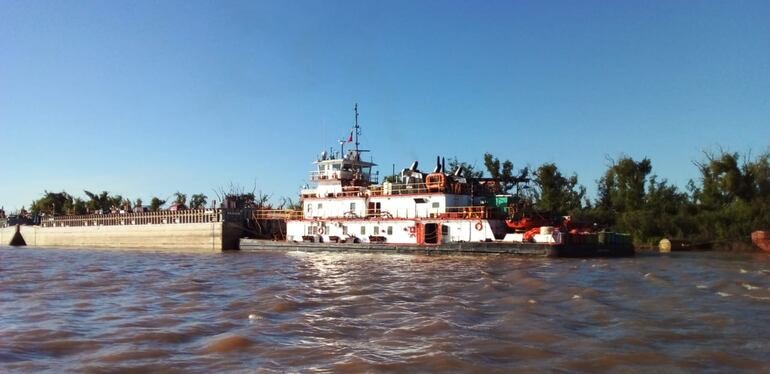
106,311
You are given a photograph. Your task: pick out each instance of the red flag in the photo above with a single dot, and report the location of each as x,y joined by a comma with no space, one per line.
350,138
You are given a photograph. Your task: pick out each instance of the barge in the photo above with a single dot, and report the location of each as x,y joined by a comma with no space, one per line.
347,209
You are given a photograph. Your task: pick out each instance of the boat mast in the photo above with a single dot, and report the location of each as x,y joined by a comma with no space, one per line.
357,128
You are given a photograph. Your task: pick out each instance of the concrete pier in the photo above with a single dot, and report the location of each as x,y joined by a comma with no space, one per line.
209,230
191,236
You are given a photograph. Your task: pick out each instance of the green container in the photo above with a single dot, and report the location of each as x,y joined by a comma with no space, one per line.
501,201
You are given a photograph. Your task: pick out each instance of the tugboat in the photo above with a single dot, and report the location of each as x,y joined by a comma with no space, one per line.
347,209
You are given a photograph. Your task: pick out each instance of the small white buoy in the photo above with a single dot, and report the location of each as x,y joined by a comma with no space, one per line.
575,297
743,271
532,301
253,317
647,275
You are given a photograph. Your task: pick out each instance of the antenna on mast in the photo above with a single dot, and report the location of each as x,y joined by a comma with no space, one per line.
358,128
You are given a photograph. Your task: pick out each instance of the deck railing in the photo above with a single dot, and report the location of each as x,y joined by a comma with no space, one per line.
277,214
145,218
399,189
218,215
461,212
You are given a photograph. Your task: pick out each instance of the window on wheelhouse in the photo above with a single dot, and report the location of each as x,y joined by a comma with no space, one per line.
366,172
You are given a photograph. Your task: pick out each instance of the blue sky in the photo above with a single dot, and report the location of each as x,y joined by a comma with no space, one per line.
146,98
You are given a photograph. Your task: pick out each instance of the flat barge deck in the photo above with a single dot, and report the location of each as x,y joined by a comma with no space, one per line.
469,248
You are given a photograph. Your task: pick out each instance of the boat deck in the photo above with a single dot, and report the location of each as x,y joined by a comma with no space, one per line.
523,249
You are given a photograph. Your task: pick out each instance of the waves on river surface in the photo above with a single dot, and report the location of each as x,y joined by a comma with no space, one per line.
105,311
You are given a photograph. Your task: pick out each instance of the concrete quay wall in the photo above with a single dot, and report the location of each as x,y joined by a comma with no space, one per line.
203,236
7,234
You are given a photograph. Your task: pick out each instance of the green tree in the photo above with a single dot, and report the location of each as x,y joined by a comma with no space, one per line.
503,173
79,206
180,200
723,180
622,187
666,212
103,201
53,203
468,170
198,201
557,195
156,203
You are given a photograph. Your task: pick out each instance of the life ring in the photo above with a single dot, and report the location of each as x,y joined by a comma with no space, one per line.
411,229
479,226
320,231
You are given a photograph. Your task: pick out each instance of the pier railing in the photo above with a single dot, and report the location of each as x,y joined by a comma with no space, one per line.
145,218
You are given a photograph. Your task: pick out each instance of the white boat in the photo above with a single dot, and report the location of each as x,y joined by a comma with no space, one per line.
347,208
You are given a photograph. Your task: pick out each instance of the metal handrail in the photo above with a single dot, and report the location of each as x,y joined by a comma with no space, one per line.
342,174
277,214
139,218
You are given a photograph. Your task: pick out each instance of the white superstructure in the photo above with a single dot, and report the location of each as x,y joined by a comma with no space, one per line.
346,204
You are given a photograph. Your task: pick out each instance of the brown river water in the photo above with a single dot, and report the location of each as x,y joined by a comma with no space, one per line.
129,311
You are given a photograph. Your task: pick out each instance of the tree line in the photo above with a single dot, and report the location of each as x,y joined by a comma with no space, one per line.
62,203
729,200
